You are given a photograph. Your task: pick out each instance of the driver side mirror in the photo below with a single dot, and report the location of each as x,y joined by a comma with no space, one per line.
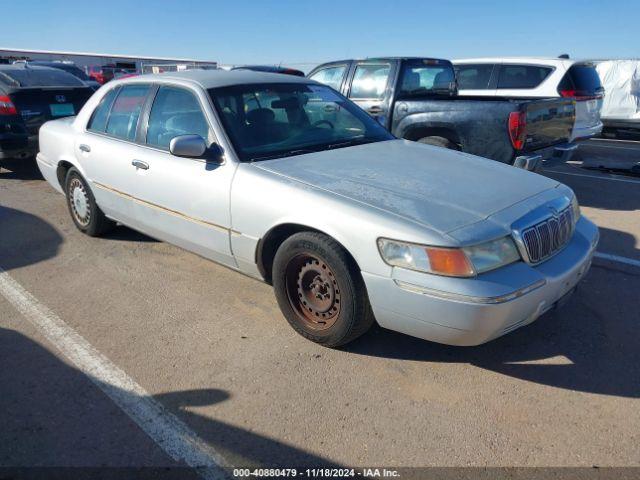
188,146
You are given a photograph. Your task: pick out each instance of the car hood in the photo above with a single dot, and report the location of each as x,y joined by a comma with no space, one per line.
438,188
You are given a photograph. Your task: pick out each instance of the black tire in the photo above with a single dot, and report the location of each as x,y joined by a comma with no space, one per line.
84,211
312,267
439,142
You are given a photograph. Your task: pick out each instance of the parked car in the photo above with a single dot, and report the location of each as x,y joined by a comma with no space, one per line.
29,96
101,74
416,99
538,78
621,107
271,69
68,67
288,181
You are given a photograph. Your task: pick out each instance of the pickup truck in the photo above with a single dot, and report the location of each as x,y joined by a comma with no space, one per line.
416,99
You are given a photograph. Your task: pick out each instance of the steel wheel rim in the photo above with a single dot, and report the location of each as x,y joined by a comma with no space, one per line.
79,201
313,291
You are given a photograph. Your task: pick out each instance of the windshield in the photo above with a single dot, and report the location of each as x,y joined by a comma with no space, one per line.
38,77
278,120
427,77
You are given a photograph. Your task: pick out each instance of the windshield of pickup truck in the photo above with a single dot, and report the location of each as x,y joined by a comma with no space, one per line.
427,77
267,121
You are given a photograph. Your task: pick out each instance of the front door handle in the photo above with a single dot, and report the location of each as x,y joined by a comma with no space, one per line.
84,148
140,164
375,109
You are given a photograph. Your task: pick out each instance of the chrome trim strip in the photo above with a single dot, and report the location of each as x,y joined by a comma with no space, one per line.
469,298
164,209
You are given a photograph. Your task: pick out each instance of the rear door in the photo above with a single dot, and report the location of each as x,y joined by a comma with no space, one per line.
582,83
370,85
107,146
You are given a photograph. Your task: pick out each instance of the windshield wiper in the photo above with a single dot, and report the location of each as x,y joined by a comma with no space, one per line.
350,143
289,153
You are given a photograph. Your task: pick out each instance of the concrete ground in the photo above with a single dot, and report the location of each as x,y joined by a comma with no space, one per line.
211,346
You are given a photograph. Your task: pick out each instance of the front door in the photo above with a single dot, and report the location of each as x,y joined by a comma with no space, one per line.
184,201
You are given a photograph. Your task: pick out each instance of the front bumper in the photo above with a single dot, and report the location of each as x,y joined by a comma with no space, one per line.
463,311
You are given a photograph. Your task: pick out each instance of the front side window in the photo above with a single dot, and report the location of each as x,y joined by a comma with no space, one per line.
427,77
369,81
522,76
331,76
292,119
474,77
175,112
98,122
123,119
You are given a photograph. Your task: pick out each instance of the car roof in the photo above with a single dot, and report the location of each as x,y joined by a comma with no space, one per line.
552,61
22,66
219,78
382,59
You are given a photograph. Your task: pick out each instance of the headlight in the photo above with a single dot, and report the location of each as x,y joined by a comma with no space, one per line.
453,262
490,255
575,206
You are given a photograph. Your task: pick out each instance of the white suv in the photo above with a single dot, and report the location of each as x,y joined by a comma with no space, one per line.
537,78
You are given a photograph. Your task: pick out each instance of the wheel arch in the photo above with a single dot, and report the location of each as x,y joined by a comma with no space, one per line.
420,131
270,242
63,167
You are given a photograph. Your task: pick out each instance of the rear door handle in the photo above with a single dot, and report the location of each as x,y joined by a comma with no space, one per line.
140,164
84,148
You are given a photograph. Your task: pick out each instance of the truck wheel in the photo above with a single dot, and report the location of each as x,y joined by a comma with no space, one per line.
320,290
439,142
84,211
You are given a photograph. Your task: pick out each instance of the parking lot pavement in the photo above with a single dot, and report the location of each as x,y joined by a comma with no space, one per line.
211,347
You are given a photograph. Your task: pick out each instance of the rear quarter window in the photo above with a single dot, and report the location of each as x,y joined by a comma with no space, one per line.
98,121
522,76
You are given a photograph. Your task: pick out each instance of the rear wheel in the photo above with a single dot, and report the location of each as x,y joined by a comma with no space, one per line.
84,211
439,142
320,291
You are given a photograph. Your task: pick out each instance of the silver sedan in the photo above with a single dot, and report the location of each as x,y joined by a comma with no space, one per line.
286,180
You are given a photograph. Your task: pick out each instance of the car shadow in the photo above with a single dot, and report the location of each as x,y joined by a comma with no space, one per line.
53,415
26,169
126,234
25,239
590,344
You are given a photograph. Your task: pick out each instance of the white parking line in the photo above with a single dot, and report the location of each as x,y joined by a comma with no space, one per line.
617,258
595,177
173,436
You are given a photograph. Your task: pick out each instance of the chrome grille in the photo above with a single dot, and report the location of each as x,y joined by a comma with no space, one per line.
544,239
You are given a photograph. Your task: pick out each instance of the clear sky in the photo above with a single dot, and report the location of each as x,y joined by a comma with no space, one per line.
309,32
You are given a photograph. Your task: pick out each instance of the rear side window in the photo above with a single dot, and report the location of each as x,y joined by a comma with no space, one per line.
123,118
331,76
38,77
522,76
175,112
98,122
580,80
369,81
474,77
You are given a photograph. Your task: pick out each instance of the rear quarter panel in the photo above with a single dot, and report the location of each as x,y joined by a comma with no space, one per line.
480,124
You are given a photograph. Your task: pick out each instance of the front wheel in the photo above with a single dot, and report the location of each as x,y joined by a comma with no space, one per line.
320,290
85,213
